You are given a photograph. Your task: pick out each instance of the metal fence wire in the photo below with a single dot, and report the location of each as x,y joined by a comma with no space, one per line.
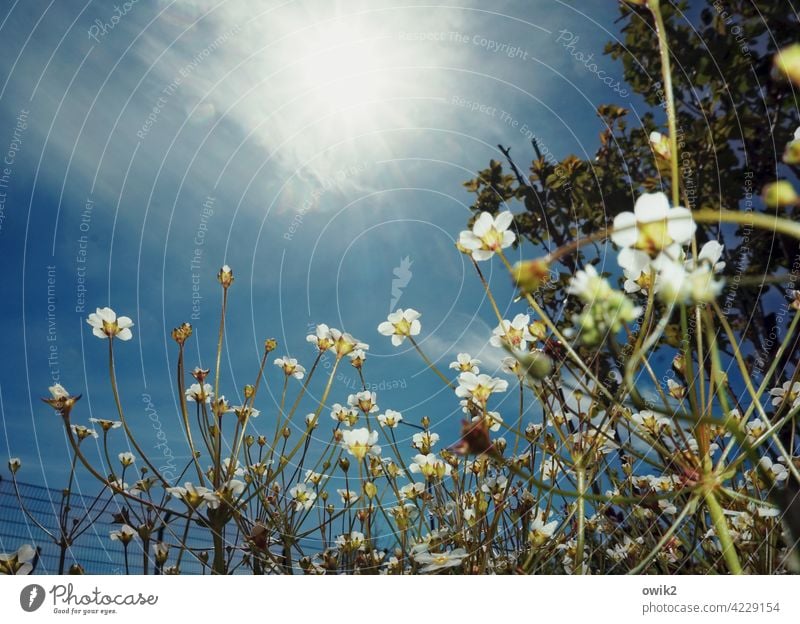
93,549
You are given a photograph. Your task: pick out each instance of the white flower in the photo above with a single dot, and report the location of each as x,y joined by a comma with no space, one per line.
18,563
777,469
424,441
314,477
401,324
125,534
710,253
58,392
360,442
692,286
126,459
342,414
550,469
660,144
541,530
303,497
465,363
357,357
755,429
429,466
347,496
106,425
493,420
105,324
344,343
411,490
650,423
588,285
161,551
513,333
230,491
322,338
511,366
83,432
788,392
200,394
494,485
244,412
194,497
652,227
290,367
479,387
390,418
353,541
488,235
433,562
365,401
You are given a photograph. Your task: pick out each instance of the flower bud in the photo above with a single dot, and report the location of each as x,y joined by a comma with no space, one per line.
200,374
660,145
779,194
370,489
14,464
270,344
344,464
426,422
787,62
76,569
181,333
531,274
225,276
537,364
791,153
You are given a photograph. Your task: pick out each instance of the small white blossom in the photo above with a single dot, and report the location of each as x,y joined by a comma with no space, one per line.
465,363
290,367
106,324
488,235
400,325
360,442
513,333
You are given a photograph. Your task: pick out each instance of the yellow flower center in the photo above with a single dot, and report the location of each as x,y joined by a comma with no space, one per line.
492,240
402,328
359,450
653,236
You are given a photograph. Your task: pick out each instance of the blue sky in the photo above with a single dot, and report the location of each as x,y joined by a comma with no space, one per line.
312,145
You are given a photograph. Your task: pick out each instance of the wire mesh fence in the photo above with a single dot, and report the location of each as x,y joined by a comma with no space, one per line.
29,515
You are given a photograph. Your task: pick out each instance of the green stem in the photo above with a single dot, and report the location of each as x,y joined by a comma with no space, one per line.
721,528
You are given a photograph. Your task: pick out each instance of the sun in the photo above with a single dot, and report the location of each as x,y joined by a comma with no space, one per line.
344,65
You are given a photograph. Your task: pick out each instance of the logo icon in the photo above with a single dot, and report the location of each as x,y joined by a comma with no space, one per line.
402,276
31,597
